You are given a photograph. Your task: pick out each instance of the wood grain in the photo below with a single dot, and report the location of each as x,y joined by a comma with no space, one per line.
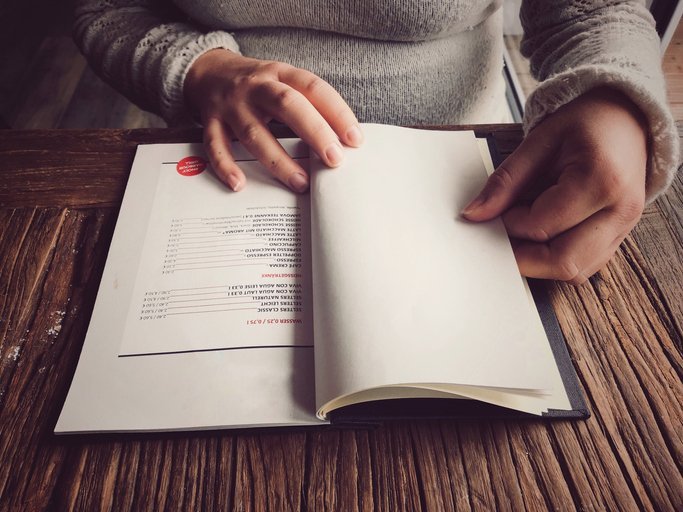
58,205
77,168
672,65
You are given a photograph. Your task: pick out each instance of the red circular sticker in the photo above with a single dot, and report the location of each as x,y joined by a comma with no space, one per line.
191,166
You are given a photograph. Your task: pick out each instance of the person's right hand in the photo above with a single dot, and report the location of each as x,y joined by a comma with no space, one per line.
237,96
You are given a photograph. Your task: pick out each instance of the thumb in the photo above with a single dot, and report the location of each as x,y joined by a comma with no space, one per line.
511,177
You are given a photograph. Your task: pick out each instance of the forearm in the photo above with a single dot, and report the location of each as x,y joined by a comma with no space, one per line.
144,49
578,46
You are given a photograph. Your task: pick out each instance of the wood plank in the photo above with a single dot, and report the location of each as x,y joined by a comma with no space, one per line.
269,472
625,391
395,479
71,167
123,489
504,477
546,470
672,64
657,252
338,472
430,464
46,276
455,462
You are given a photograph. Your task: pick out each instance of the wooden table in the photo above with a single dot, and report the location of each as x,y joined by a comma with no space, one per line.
59,196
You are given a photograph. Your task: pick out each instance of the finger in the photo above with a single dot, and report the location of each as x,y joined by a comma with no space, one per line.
575,255
327,101
292,108
557,209
217,144
258,140
511,178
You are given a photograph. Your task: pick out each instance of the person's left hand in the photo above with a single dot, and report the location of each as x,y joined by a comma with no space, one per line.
573,189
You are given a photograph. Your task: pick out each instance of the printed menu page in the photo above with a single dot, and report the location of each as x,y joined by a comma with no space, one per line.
256,369
221,270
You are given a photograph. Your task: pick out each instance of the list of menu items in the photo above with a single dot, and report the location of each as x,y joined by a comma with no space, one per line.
221,270
197,243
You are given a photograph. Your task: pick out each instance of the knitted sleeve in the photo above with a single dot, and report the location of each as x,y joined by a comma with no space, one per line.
577,45
144,48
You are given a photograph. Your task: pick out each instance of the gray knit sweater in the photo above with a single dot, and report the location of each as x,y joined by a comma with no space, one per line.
399,62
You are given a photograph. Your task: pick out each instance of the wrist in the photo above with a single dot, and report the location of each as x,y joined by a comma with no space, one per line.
615,98
628,119
199,74
606,119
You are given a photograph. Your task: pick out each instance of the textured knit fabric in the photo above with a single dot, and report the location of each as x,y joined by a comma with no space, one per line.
402,62
579,45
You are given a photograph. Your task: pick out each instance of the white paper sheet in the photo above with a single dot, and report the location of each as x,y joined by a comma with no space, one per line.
418,294
187,390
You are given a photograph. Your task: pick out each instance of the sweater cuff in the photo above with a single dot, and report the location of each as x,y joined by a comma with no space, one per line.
176,66
560,89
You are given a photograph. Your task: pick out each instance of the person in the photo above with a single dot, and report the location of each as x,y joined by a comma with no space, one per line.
599,141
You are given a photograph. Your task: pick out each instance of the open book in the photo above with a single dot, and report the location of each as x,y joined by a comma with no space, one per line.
261,308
